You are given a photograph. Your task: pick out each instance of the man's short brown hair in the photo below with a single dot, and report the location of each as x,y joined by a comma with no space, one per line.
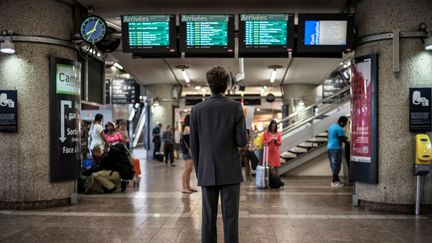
217,79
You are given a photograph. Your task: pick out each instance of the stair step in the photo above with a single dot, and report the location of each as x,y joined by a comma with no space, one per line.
288,155
318,140
308,145
322,135
297,150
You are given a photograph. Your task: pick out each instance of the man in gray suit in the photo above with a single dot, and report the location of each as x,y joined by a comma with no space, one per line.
217,132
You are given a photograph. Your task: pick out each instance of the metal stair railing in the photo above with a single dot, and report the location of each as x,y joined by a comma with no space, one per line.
308,114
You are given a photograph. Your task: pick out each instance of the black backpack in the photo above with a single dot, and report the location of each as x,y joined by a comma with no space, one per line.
275,181
123,164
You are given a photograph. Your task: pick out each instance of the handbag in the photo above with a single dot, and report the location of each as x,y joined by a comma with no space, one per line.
187,146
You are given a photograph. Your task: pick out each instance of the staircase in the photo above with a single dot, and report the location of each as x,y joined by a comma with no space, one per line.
305,138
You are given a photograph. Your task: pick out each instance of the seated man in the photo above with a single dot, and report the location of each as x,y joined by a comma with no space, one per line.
106,175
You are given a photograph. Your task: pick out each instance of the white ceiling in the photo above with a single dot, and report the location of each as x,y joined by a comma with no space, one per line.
163,71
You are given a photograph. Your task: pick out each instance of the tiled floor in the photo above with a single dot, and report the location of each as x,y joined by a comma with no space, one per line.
305,210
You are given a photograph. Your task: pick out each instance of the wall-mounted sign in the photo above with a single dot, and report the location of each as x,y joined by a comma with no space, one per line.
364,114
420,110
124,91
8,111
65,107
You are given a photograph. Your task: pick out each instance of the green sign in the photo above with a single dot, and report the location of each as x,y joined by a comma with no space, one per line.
206,30
68,79
148,30
265,29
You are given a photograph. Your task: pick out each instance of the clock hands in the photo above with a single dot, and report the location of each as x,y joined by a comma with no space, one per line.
88,34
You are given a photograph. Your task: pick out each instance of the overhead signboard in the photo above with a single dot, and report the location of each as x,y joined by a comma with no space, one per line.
152,35
420,110
207,35
8,111
364,115
65,107
265,35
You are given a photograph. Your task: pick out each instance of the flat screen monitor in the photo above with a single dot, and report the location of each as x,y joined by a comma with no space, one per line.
325,33
152,35
265,35
207,35
96,80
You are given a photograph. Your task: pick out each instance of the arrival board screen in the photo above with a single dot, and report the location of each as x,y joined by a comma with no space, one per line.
265,35
265,30
207,34
148,33
325,32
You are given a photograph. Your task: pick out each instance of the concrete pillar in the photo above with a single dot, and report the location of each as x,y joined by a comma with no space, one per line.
24,156
395,190
162,113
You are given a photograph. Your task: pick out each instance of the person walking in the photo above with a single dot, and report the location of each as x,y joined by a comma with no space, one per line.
336,137
273,139
156,133
187,157
168,139
217,131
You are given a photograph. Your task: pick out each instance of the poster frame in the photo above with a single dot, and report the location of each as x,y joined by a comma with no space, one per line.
361,171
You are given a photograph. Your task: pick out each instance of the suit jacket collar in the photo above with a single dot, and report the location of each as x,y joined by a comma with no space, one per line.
217,96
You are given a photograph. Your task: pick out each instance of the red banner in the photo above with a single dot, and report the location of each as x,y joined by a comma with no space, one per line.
361,109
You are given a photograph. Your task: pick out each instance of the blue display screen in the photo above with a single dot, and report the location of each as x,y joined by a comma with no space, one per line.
327,32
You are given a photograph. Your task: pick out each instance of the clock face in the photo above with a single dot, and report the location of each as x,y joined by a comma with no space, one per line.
93,29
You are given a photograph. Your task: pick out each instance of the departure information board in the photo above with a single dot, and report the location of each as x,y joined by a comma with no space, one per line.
265,34
149,33
207,34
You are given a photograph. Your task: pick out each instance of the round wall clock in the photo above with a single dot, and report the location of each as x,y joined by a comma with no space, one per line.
93,29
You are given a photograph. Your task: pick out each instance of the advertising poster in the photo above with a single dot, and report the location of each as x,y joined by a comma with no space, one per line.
364,135
360,112
8,111
65,108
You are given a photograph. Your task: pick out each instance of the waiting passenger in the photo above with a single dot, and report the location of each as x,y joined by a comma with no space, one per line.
113,136
273,139
106,175
187,157
124,132
168,139
156,133
336,137
97,138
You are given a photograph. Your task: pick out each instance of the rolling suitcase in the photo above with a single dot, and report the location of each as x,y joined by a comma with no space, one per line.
263,171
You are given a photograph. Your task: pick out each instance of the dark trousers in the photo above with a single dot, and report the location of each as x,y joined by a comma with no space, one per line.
157,146
169,153
230,198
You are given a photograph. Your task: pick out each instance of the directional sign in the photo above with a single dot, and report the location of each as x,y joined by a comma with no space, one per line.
62,118
65,106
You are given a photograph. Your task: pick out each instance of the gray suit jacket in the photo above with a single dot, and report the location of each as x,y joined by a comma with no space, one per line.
217,130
